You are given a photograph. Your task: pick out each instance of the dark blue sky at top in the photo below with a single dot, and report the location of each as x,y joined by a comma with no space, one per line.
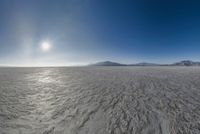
86,31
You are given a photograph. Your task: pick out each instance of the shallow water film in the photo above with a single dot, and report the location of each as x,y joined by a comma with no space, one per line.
100,100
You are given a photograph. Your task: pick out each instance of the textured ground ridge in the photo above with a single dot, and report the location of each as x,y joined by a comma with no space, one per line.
100,100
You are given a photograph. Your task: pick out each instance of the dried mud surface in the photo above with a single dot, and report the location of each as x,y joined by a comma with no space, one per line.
100,100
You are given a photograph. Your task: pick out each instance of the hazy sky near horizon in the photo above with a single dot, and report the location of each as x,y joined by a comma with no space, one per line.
87,31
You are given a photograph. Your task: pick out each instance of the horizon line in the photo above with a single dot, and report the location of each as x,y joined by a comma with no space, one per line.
88,64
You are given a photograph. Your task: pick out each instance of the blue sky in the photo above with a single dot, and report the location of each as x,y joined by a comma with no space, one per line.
88,31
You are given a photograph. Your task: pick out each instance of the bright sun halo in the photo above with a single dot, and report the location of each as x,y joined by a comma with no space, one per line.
45,46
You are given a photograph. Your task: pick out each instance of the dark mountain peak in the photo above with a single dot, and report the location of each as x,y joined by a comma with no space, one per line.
108,63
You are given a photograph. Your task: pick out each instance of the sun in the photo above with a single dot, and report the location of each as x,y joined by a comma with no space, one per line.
45,46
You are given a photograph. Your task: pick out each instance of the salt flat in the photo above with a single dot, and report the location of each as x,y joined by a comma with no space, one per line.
100,100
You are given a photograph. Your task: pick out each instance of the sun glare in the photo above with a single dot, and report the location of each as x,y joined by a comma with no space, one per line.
45,46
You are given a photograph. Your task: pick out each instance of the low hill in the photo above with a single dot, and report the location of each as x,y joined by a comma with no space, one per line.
108,63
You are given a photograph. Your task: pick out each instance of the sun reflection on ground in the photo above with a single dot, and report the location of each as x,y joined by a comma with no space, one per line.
46,81
46,77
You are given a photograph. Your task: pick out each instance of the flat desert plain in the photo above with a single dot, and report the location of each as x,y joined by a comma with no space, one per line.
100,100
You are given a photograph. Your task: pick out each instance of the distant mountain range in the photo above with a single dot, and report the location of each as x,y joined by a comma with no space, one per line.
181,63
187,63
